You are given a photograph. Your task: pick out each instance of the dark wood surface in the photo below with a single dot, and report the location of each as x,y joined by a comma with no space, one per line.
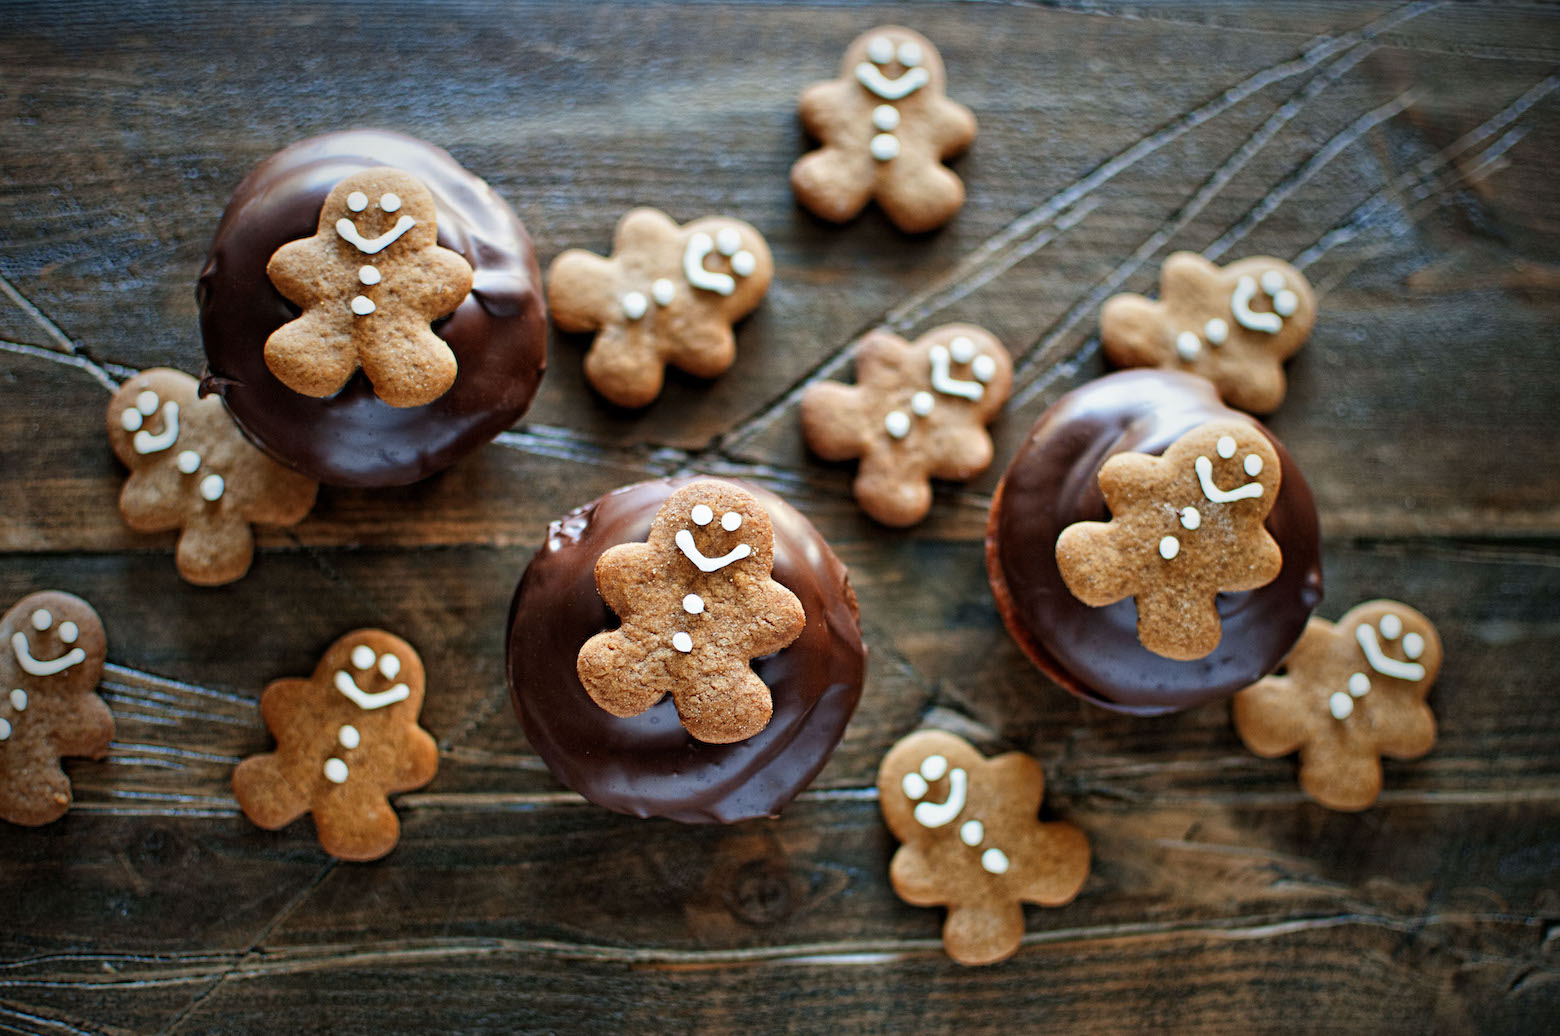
1404,154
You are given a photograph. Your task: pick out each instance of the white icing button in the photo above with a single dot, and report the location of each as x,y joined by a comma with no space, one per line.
357,201
335,771
363,656
390,202
1216,331
743,264
1359,685
921,403
1272,282
897,423
995,861
5,730
188,461
693,604
1190,517
914,785
663,291
368,275
984,368
933,767
634,305
19,700
880,49
42,620
390,666
211,488
731,521
682,642
69,632
1169,547
1253,465
961,349
1226,447
362,305
1391,626
885,117
728,241
130,419
348,736
146,402
910,53
972,832
884,146
1413,645
1341,705
1285,303
701,514
1187,346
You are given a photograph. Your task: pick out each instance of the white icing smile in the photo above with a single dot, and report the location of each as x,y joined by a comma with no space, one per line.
933,815
729,243
948,385
1384,663
684,540
133,418
363,657
1253,467
1285,302
372,246
41,621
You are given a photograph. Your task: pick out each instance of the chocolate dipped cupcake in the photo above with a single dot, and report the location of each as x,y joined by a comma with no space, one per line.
1151,549
685,648
371,311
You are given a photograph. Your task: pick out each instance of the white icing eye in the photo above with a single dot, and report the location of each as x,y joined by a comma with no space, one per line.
701,514
972,832
921,403
362,305
961,349
42,620
363,656
348,736
984,368
130,419
390,202
19,700
663,291
728,241
1391,626
1359,684
897,424
885,117
389,665
1340,705
743,264
731,521
693,604
368,275
1413,645
914,785
146,402
682,642
909,53
188,461
634,305
995,861
1253,465
1272,282
211,488
1190,517
933,767
357,201
1187,346
1226,447
335,771
69,632
1285,303
880,49
1169,547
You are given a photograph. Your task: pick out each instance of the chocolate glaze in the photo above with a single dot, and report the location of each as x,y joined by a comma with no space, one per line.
647,765
1052,483
353,438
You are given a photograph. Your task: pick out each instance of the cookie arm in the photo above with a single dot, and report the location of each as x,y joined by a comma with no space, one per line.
953,127
825,109
1132,332
450,278
835,421
580,290
960,453
292,270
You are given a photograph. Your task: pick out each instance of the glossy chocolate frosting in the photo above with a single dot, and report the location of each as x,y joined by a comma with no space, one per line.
647,765
1053,482
353,438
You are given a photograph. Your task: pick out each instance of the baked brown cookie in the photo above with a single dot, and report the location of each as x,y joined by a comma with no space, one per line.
1348,695
1234,326
668,294
346,739
192,470
49,671
973,841
698,603
917,412
886,127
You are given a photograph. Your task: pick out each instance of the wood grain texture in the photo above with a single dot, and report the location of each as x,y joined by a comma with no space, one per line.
1402,154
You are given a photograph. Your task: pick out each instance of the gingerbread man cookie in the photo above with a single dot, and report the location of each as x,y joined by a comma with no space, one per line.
49,670
346,739
973,841
886,129
1185,527
1348,695
370,282
697,604
916,412
668,294
192,470
1234,326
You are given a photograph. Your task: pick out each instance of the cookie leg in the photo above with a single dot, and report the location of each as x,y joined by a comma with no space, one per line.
920,196
624,370
409,367
832,184
984,933
355,822
724,712
891,493
215,551
311,355
36,792
265,794
601,666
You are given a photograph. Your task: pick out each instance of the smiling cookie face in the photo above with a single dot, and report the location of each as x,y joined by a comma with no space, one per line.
372,213
893,64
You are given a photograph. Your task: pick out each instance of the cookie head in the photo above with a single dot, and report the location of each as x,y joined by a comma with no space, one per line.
726,261
373,669
144,415
892,63
379,212
55,640
1397,647
714,532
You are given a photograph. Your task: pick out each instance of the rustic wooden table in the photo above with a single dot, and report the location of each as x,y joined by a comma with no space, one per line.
1403,154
